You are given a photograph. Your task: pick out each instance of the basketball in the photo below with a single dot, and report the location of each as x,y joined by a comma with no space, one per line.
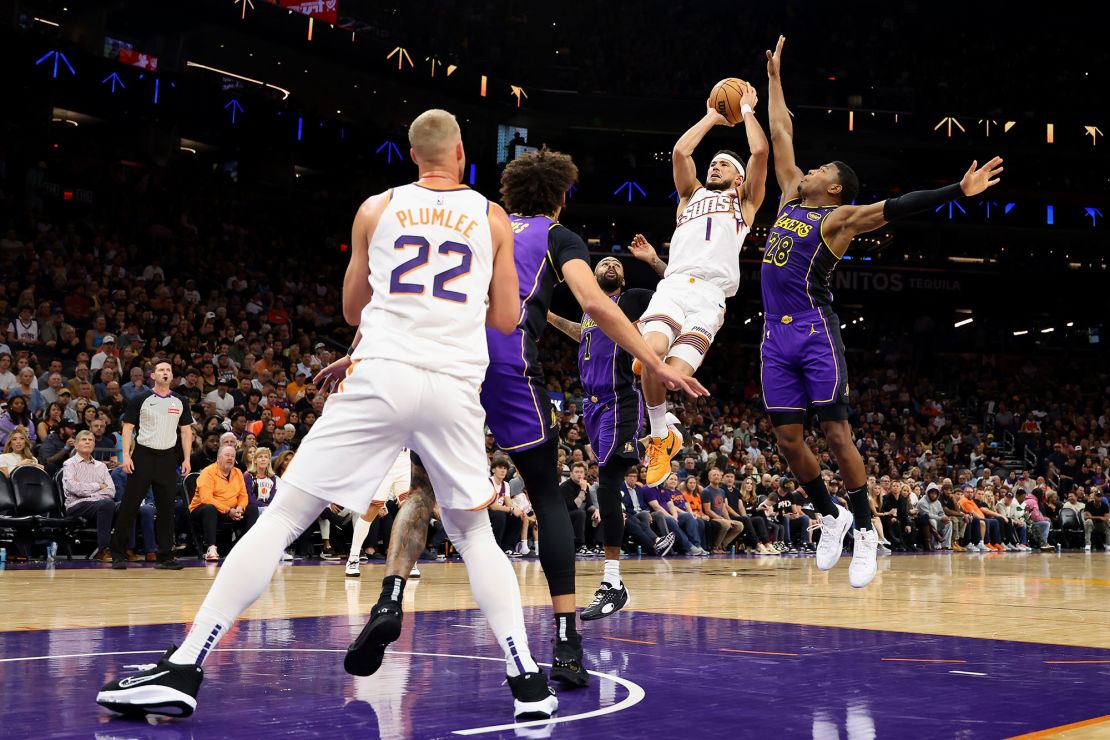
725,98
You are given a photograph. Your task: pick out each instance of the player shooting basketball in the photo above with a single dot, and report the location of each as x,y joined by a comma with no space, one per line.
688,307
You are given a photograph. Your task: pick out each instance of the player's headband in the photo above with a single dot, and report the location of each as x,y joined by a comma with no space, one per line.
731,160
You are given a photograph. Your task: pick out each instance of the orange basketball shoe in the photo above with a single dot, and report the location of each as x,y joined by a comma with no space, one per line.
659,454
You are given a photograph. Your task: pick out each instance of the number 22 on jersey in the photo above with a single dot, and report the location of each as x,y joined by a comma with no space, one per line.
397,283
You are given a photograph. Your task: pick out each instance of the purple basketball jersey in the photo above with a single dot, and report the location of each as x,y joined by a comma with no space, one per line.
797,263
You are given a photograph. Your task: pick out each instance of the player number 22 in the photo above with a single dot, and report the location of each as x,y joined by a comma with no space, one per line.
439,283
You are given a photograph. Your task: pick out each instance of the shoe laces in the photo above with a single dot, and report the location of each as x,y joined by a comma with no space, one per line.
142,666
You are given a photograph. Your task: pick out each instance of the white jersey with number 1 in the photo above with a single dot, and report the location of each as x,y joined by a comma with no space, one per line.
707,239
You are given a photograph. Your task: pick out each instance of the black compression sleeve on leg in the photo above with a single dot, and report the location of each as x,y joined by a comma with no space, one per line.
919,200
819,495
861,507
609,501
537,467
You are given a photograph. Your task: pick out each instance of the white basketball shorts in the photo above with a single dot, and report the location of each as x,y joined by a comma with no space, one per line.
689,312
381,407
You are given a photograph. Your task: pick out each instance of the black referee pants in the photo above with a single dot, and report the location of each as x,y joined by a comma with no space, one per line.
155,469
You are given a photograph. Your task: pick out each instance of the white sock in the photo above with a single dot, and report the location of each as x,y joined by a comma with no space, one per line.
248,569
657,415
358,539
493,584
612,573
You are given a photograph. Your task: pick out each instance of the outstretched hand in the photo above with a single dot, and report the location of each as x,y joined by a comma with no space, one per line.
750,97
718,117
976,181
641,249
676,381
774,61
331,375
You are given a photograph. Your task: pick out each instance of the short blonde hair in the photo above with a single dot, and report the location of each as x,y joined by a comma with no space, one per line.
434,133
84,433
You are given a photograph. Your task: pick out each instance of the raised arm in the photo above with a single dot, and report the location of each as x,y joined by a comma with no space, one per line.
846,222
755,179
503,313
787,172
572,329
642,250
356,281
682,156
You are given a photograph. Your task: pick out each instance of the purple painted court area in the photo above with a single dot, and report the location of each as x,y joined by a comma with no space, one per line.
283,678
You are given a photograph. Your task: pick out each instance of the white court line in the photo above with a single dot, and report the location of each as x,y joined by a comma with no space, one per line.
467,627
635,691
968,673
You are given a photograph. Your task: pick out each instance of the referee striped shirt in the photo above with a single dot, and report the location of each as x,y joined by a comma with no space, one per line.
157,419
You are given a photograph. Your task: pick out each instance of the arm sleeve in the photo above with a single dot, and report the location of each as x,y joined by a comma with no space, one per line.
131,413
919,200
203,494
186,414
563,245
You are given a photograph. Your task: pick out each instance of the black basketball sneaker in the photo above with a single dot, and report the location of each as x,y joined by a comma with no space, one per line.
164,688
533,698
607,600
364,655
566,664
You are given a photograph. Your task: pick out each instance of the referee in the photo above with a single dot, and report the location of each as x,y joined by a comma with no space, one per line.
158,418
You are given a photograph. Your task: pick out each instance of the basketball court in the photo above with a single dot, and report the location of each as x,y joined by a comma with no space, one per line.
969,646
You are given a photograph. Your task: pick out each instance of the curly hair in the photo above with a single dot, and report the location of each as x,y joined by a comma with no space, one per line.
535,183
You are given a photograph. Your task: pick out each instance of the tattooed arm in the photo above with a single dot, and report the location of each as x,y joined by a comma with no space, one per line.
571,328
410,529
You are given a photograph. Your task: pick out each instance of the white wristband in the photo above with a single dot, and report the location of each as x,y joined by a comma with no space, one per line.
745,109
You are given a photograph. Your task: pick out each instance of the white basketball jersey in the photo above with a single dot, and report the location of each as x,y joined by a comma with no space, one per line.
707,239
431,261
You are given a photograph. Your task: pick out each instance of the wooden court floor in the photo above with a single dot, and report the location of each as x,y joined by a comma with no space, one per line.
1044,599
1051,598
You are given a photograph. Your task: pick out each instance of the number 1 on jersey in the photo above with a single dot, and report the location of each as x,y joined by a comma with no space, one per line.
708,228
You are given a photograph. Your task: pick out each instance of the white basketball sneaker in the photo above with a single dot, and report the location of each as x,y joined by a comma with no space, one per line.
352,567
833,530
862,570
415,572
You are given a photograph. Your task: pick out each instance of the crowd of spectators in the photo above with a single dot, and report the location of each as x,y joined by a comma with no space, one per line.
87,308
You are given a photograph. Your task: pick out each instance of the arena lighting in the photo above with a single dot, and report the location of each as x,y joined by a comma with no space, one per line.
1092,131
1021,333
225,73
1071,324
950,120
58,25
967,260
747,321
67,121
964,322
189,149
1049,330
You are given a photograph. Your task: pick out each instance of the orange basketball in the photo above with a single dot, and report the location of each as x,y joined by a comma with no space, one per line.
725,98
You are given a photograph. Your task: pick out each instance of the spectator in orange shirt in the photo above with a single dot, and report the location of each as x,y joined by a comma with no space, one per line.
977,523
691,493
221,496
